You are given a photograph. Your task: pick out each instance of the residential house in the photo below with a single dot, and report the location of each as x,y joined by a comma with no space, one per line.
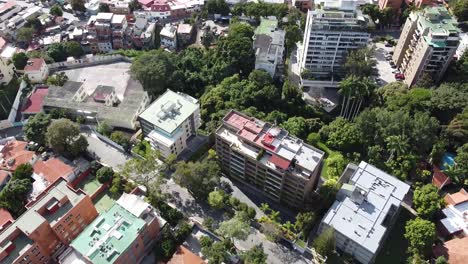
185,34
168,36
269,46
37,70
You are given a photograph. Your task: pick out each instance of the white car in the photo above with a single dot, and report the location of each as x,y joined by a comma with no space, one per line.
395,71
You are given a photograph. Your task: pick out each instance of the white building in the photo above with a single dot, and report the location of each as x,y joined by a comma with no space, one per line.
37,70
365,210
168,36
330,33
169,121
463,46
269,46
6,69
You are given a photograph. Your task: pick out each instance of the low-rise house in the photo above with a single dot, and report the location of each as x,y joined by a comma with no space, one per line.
168,36
123,234
170,121
33,104
142,33
455,251
37,70
185,34
121,7
7,70
183,255
456,214
269,46
365,209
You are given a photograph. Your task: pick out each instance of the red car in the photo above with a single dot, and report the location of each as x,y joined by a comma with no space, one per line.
400,76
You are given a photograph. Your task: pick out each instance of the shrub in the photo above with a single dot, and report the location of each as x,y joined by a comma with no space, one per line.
251,213
104,174
206,241
234,202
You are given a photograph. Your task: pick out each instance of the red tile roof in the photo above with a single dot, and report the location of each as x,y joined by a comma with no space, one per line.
16,152
439,179
5,218
52,169
455,250
34,64
34,103
279,162
456,198
185,256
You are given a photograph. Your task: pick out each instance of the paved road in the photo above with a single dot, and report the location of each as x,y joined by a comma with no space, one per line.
277,253
107,154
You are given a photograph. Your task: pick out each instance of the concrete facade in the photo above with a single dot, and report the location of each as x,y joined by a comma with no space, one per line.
265,157
427,44
269,46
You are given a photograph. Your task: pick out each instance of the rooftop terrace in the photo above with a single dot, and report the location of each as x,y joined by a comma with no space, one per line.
360,213
283,150
109,235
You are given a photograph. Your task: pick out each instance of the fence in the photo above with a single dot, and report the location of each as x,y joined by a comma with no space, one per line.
87,61
10,121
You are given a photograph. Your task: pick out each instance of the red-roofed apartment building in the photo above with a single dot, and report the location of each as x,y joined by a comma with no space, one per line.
37,70
268,159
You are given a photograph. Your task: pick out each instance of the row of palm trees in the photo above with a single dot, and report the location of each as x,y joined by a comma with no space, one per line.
354,90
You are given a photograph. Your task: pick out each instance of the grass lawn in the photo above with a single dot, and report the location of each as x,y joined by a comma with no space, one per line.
90,184
104,202
7,97
394,248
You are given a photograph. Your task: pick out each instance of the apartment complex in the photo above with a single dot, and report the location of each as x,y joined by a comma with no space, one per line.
106,32
269,46
330,33
394,4
427,44
123,234
365,209
164,9
303,5
170,121
268,159
48,226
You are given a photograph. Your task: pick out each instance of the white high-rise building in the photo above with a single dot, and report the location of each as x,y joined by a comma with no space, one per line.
330,32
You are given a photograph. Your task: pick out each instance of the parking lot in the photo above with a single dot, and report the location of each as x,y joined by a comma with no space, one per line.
383,65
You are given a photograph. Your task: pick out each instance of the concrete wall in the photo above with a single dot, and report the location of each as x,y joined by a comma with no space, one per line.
87,61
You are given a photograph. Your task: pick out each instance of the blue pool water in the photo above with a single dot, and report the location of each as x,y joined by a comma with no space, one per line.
447,159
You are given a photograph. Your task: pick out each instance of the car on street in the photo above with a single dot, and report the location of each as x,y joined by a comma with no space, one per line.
399,76
396,71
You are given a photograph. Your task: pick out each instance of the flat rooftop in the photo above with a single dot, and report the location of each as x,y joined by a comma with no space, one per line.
368,198
286,151
170,110
109,235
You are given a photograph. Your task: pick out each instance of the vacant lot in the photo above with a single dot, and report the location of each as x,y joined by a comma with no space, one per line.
7,97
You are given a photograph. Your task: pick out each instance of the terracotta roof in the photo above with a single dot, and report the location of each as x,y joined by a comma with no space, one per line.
34,103
34,64
439,179
455,250
15,151
52,169
279,162
5,218
456,198
3,175
185,256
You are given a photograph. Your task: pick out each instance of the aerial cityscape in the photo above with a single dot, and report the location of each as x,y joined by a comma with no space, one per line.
234,131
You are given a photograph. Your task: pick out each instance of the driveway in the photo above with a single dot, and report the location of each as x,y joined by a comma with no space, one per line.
383,65
105,153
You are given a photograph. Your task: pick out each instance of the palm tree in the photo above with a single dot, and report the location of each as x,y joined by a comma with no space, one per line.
346,89
264,207
397,145
365,90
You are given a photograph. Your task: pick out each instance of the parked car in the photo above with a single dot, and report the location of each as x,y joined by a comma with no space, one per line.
395,71
388,45
400,76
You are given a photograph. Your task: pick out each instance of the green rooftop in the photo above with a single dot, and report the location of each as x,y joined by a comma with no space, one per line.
439,20
109,235
170,110
266,26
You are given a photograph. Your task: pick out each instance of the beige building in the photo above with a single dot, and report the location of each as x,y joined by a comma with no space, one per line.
267,159
427,44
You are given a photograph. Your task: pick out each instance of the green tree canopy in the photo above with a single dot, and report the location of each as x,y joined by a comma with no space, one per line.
20,60
216,199
324,244
56,10
36,127
64,137
361,63
255,255
73,48
58,79
420,234
78,5
104,174
460,9
427,201
237,227
25,34
217,7
200,178
305,223
23,171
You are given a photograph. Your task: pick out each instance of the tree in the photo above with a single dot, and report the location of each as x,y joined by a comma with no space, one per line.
341,135
56,10
116,188
216,199
372,11
328,191
14,194
241,30
206,241
305,222
104,8
301,127
237,227
25,34
104,174
271,231
254,255
57,52
216,253
78,5
134,5
457,130
313,138
208,38
200,178
23,171
441,260
20,60
36,127
64,137
360,63
146,171
354,90
58,79
73,48
104,128
427,201
217,7
458,172
170,161
324,244
292,36
460,9
397,145
35,23
420,234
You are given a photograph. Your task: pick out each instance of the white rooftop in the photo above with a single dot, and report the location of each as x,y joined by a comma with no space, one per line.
456,218
170,110
103,16
168,31
360,215
118,19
